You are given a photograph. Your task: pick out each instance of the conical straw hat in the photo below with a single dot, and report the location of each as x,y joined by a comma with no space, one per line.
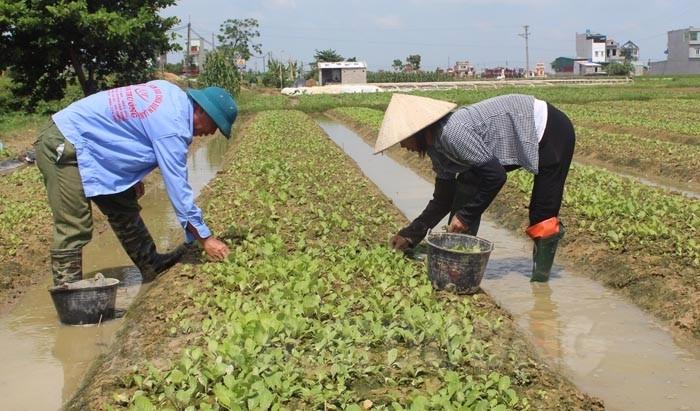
406,115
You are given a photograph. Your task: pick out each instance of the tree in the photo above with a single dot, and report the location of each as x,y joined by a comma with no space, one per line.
351,59
238,35
619,69
328,55
414,61
397,65
220,70
101,43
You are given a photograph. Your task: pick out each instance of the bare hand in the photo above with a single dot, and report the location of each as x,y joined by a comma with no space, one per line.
216,249
400,243
140,189
457,226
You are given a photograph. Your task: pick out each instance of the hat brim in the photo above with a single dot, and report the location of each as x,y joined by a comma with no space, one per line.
212,111
406,115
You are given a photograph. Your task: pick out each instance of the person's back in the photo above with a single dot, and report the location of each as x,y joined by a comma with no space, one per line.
114,132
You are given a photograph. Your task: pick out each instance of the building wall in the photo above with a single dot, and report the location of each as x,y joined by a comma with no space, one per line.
675,67
589,49
583,46
677,45
354,76
682,55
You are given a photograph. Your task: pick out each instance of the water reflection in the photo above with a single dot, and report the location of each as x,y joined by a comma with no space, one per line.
544,322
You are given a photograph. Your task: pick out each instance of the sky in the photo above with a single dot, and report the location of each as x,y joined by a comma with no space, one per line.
484,32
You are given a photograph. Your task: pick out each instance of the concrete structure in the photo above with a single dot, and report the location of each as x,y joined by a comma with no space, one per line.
198,55
539,70
613,52
630,51
683,53
463,69
591,46
342,72
586,68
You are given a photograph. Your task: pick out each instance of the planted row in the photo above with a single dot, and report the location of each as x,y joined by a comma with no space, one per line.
631,236
313,311
647,119
647,156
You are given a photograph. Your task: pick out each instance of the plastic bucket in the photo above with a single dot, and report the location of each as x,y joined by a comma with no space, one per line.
449,267
86,301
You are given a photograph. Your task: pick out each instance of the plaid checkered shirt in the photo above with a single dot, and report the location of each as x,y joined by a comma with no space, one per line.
501,127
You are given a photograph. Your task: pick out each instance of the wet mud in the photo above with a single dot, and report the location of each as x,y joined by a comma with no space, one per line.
36,350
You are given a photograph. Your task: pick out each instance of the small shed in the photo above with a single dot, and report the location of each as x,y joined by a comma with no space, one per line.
584,68
342,72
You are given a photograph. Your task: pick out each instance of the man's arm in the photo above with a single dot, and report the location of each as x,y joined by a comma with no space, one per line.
171,154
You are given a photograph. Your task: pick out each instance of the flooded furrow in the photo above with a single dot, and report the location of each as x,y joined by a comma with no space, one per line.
605,345
39,353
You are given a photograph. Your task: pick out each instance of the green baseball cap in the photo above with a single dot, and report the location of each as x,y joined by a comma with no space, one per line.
218,104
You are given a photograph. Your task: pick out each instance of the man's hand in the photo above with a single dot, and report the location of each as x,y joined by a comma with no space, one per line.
216,249
140,189
457,226
400,243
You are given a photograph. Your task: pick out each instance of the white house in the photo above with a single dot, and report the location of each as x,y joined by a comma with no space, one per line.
591,46
342,72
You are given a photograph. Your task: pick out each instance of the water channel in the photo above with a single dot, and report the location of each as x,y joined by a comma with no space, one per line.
605,345
44,361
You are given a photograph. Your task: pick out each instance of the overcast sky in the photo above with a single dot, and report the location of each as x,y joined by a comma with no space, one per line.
484,32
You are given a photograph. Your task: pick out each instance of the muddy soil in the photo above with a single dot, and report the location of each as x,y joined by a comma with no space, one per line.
661,286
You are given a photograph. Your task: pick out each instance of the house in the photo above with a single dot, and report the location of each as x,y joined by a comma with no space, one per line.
342,72
197,55
613,52
591,46
563,65
587,68
539,70
683,53
630,51
463,69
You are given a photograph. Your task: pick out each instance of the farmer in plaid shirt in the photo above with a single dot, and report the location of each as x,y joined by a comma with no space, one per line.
472,148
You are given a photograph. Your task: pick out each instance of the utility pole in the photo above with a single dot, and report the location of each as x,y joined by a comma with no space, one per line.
526,35
186,67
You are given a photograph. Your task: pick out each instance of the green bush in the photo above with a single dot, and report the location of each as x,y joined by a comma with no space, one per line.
220,70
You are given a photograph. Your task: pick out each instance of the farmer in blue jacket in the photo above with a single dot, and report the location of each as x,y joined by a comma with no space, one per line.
472,148
98,150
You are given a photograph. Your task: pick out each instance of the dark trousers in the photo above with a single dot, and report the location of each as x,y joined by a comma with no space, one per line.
555,153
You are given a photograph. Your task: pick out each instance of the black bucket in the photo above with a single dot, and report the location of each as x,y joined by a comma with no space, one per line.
450,267
86,301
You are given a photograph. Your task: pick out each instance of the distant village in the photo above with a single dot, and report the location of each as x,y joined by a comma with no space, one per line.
596,55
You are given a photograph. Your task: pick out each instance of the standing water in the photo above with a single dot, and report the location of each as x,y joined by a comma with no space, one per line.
605,345
44,361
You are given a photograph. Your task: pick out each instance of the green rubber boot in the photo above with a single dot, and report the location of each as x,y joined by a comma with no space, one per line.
66,265
138,244
543,256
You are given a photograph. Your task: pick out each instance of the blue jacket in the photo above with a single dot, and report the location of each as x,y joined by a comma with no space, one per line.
121,135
